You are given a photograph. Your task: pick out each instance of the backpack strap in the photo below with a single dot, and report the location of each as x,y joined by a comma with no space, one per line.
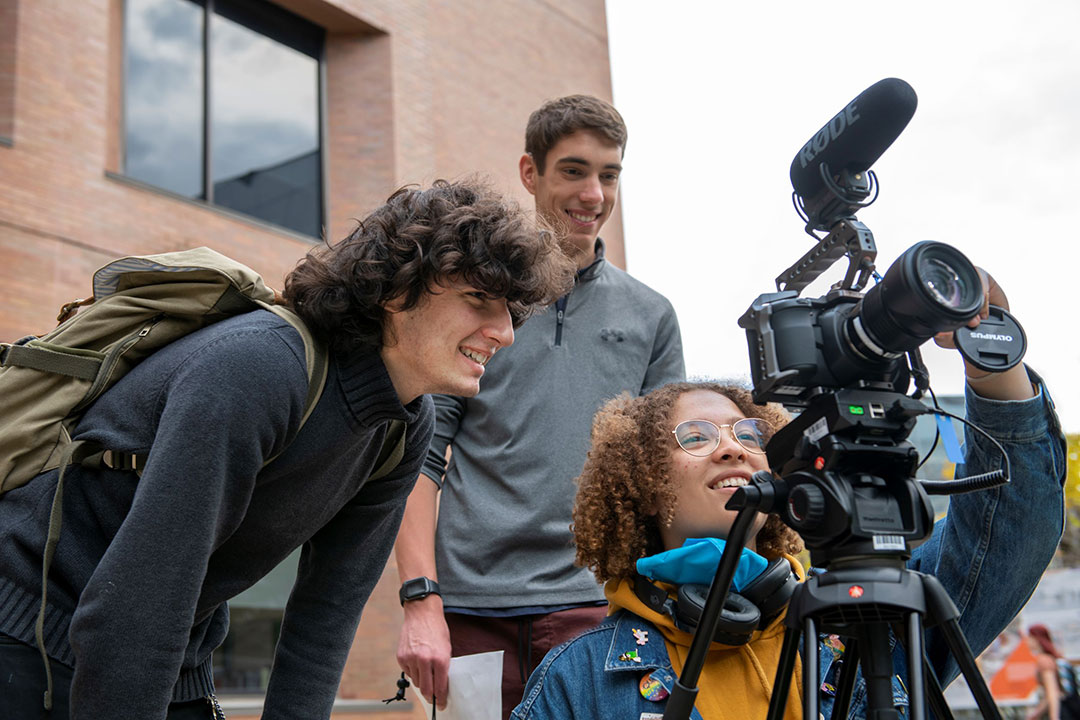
317,360
393,449
75,452
39,356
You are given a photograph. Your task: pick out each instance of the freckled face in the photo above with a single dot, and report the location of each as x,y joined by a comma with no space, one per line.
703,485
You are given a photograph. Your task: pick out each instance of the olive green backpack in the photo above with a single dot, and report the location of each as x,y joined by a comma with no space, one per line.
139,305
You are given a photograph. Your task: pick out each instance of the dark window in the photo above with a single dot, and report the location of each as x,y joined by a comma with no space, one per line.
164,95
222,104
242,663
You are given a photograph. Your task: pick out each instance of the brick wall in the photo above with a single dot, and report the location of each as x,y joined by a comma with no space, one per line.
8,26
416,90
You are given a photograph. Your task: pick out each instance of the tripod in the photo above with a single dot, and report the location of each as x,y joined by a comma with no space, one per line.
862,603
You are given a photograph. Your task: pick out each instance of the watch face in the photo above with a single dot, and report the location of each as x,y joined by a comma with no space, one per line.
417,588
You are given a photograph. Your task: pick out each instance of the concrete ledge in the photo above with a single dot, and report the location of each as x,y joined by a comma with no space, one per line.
218,209
253,705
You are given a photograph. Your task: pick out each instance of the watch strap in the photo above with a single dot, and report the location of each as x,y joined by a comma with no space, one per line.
417,588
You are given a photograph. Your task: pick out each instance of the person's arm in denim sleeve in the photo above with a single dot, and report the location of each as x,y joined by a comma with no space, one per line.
666,364
990,550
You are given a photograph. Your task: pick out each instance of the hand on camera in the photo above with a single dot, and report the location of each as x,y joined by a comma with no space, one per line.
992,295
1012,384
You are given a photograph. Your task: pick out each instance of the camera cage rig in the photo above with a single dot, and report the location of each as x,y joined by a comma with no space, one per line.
833,211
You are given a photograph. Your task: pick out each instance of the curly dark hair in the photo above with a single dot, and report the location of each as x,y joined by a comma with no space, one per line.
453,230
563,116
626,481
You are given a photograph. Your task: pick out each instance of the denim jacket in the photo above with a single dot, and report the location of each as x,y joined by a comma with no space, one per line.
988,552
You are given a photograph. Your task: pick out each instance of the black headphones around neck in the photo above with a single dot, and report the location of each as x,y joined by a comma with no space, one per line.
753,608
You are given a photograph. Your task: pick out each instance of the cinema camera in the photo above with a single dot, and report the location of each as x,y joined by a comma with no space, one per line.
842,470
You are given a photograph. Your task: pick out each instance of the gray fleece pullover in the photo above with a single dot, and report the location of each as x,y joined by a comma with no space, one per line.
144,566
503,536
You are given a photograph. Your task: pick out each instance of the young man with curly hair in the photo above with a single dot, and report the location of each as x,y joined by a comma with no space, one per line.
650,514
501,555
415,301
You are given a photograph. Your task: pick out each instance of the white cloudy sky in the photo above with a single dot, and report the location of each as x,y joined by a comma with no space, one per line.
719,96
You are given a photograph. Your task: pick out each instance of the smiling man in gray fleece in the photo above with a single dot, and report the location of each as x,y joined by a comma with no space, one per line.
503,558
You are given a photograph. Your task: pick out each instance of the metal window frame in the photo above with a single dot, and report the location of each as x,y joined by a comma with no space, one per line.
209,7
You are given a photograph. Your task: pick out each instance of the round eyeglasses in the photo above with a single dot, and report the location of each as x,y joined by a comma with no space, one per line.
701,437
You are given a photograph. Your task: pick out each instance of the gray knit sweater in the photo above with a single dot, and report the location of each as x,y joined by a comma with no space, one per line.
503,536
144,566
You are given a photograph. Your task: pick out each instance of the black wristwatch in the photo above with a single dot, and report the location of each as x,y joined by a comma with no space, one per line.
418,588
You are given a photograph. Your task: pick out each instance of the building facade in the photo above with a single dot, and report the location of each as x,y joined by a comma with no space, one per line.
257,128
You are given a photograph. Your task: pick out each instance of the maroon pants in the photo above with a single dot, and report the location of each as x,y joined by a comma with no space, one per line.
524,640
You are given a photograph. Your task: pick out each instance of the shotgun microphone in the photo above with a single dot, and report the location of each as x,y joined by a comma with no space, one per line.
856,136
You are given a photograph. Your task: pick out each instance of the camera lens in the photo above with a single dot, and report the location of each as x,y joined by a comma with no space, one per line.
945,285
931,288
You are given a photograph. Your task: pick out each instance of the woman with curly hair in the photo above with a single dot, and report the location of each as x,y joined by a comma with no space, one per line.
650,519
631,461
649,507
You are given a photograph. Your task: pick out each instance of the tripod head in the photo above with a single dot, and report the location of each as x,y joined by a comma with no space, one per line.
847,476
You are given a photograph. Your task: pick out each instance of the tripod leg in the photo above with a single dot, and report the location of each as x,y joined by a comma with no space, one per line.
877,672
784,669
846,684
916,667
935,695
811,672
960,649
941,606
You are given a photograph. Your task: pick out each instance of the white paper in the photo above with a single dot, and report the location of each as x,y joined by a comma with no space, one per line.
475,688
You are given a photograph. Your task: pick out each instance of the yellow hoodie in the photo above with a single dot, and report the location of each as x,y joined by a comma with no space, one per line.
736,682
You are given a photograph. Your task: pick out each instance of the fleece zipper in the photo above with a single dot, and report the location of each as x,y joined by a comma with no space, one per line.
584,274
560,314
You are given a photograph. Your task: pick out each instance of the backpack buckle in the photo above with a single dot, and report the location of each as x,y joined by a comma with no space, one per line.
115,460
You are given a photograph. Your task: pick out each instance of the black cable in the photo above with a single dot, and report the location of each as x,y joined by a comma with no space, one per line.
937,430
972,483
918,371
